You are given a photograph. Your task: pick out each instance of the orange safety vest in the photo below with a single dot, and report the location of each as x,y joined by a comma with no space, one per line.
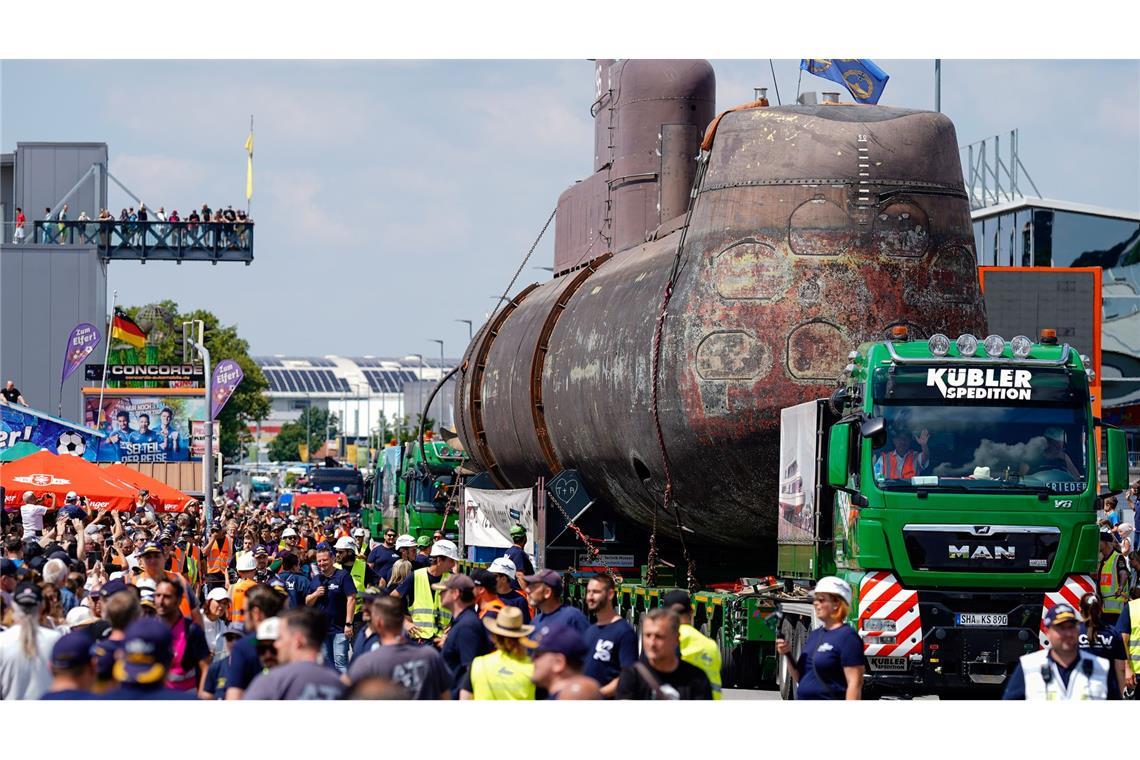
217,560
237,594
492,606
189,562
897,468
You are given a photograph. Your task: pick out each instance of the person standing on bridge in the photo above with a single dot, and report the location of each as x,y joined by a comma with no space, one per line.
831,664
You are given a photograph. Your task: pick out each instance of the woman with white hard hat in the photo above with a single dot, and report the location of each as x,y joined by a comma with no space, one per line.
831,663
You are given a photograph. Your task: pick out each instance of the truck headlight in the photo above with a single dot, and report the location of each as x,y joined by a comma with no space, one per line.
967,344
1020,345
994,345
938,344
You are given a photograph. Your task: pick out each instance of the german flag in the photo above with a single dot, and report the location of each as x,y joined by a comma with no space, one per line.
124,328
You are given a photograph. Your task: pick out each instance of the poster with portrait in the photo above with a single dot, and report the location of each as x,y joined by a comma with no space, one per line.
142,427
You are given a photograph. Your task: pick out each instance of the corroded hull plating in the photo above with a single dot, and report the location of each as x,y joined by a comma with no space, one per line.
814,229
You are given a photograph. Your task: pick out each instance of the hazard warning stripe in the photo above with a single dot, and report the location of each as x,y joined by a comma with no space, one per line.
882,597
1071,591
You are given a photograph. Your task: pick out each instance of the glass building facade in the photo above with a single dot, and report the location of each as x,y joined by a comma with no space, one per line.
1036,232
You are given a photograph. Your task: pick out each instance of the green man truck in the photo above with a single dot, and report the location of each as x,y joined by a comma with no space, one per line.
954,486
412,491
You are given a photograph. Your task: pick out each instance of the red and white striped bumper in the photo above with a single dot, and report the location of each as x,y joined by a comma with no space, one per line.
1071,591
881,599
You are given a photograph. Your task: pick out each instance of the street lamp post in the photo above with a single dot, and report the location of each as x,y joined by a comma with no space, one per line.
440,342
419,383
470,330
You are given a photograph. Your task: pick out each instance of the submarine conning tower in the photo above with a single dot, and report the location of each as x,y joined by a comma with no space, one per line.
812,230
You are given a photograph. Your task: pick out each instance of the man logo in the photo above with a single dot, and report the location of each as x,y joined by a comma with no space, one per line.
981,552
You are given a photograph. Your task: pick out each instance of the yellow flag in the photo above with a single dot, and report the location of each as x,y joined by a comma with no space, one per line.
303,451
249,166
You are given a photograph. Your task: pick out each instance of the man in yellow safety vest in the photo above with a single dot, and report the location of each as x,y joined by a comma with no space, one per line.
1113,580
696,648
428,617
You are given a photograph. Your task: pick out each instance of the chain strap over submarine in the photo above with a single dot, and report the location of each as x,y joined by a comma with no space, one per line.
667,495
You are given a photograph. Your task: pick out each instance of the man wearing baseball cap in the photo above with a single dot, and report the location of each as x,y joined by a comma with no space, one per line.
558,657
428,615
72,670
545,591
142,663
467,638
422,557
1062,671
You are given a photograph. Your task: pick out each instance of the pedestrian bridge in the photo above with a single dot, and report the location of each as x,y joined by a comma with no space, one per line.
152,240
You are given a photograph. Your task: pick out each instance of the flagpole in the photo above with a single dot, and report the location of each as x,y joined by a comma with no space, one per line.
106,354
248,199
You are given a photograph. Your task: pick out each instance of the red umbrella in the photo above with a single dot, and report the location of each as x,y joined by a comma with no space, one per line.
46,474
165,498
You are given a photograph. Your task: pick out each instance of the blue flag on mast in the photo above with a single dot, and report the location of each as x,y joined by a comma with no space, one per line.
862,78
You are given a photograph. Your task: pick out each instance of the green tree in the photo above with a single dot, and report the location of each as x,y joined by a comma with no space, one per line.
249,403
314,422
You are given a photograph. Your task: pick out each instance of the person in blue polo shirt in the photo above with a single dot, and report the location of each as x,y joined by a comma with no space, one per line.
384,555
466,639
517,554
334,593
297,584
545,591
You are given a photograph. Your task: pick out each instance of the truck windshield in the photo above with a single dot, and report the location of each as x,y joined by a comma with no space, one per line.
982,448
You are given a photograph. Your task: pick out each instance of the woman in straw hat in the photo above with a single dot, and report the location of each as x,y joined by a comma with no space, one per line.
506,672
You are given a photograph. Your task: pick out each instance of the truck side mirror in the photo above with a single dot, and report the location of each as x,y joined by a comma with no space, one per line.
838,443
874,428
1117,460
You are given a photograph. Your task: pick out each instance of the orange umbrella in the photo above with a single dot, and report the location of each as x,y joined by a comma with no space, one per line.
165,498
46,474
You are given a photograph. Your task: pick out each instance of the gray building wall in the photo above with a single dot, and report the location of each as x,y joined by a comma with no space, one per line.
45,291
7,196
46,171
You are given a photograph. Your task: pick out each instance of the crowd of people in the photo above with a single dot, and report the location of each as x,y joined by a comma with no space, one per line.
201,227
257,604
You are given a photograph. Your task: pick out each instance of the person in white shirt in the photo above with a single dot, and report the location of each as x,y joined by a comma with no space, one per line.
32,513
25,648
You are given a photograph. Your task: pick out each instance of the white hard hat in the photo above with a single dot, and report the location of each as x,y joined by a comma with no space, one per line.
288,532
217,595
267,629
360,532
503,566
833,585
405,542
344,542
246,562
336,489
445,548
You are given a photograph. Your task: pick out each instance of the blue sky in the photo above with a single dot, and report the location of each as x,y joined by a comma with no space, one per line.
393,198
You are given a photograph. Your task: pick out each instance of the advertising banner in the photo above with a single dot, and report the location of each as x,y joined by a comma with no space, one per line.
143,427
798,426
227,376
488,516
22,423
80,344
170,373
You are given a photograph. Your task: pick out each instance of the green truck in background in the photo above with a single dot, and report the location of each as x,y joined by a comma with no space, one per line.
954,485
410,491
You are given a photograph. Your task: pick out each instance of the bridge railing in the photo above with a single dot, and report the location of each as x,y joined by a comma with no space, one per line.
151,240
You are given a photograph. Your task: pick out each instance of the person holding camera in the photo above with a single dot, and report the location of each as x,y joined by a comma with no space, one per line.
1062,671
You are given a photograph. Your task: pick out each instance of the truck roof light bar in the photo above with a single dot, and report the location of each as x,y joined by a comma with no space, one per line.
1017,362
